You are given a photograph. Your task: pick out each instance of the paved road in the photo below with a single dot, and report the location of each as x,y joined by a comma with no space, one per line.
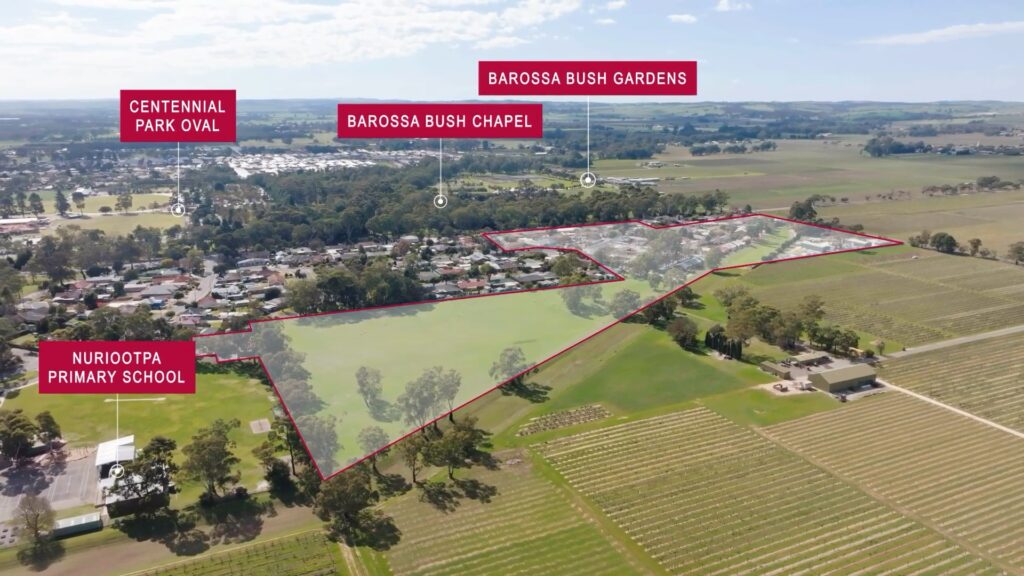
202,290
956,410
957,341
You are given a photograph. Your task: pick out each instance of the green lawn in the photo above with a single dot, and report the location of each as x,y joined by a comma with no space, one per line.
653,371
122,224
88,419
755,407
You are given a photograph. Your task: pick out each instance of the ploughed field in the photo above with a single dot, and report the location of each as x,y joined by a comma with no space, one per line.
985,378
705,496
904,296
952,473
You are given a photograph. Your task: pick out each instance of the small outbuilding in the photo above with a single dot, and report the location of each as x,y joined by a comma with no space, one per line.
77,525
843,379
776,369
811,359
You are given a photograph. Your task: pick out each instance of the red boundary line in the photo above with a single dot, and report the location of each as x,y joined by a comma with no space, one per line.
888,242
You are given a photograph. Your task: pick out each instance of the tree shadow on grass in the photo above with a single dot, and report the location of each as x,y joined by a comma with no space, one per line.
439,495
239,519
476,490
376,530
175,530
392,485
530,391
41,555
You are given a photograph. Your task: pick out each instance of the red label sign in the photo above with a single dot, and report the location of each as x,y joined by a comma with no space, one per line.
177,115
588,78
440,121
101,367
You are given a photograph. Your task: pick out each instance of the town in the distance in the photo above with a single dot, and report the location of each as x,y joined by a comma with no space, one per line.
494,288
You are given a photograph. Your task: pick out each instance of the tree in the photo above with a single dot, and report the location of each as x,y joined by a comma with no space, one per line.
35,204
975,244
17,432
458,447
1016,252
510,363
61,203
148,477
373,440
52,257
624,303
78,199
342,501
687,297
811,309
209,459
304,296
368,382
683,331
36,518
943,242
411,450
879,346
49,430
447,388
124,202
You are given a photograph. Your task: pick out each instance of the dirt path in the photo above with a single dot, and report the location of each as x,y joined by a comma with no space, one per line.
957,341
954,409
352,563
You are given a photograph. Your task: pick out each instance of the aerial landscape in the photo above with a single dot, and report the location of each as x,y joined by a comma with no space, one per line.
767,324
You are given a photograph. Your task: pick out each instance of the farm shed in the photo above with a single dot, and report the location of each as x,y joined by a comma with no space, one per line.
77,525
843,378
776,369
810,358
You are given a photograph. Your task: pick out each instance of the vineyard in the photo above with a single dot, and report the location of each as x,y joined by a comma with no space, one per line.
985,378
705,496
910,297
564,419
308,554
951,472
528,527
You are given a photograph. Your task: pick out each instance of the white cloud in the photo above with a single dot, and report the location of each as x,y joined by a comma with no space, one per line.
732,6
682,18
132,41
604,21
615,5
949,33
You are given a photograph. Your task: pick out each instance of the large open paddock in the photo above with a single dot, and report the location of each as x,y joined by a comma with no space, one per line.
705,496
954,474
800,168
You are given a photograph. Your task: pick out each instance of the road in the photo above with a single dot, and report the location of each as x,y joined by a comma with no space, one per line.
956,341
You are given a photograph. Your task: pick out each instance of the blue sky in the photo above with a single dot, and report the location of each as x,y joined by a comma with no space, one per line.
427,50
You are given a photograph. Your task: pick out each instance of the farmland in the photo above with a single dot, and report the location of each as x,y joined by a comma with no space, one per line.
952,473
703,495
903,296
800,168
986,378
308,554
122,224
530,527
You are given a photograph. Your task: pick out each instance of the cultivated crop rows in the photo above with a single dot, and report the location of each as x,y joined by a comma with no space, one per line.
705,496
307,554
985,377
527,528
913,301
953,473
563,419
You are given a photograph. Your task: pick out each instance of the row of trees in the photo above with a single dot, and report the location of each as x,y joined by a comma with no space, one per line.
19,432
948,244
356,286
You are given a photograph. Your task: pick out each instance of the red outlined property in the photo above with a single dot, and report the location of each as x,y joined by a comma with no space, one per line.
357,381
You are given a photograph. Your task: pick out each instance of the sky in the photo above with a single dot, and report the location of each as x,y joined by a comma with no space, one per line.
762,50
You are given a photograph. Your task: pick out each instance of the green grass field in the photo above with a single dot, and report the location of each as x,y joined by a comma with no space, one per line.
86,420
94,203
122,224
